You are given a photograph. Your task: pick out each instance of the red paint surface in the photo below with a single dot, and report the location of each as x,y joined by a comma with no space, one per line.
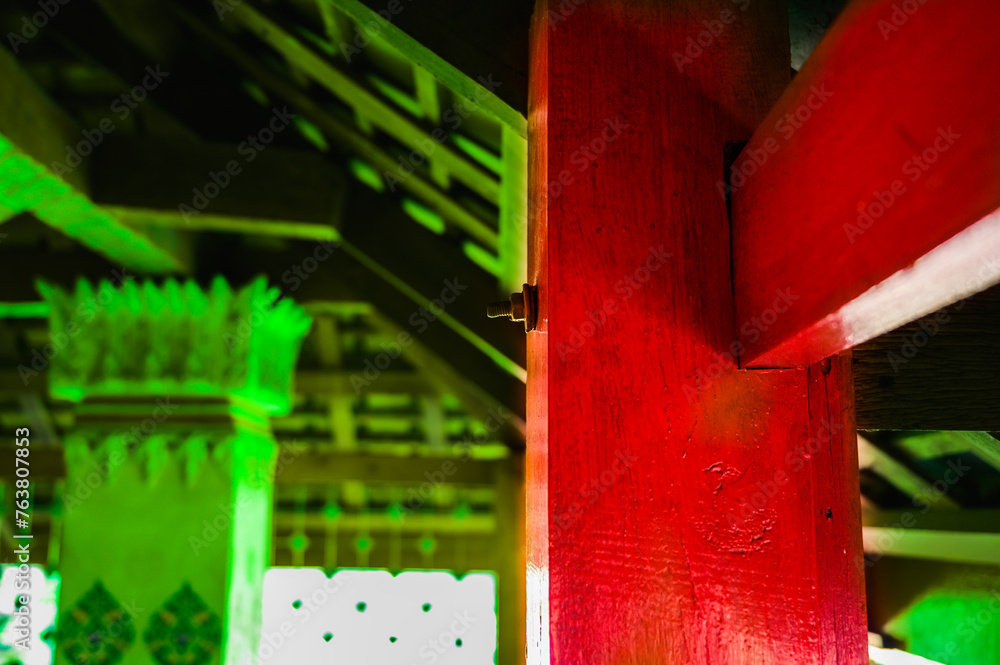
885,86
677,513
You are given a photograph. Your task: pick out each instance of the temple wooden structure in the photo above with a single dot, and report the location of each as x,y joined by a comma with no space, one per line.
753,419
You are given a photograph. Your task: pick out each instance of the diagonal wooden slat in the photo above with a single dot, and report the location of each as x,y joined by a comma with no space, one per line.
462,81
348,138
908,482
985,446
380,113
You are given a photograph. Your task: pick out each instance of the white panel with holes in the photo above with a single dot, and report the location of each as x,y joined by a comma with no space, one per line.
370,617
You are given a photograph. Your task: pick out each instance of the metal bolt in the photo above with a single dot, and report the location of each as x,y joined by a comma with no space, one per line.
522,306
500,310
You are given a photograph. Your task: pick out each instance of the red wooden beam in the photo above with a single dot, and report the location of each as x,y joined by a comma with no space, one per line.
867,194
680,510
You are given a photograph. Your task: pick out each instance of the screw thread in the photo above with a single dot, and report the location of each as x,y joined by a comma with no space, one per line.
500,310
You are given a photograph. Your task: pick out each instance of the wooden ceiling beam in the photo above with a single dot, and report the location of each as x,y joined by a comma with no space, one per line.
331,382
207,96
44,169
321,467
428,263
932,545
223,187
868,196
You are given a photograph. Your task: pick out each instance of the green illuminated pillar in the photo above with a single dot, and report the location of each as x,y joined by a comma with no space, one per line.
957,620
169,478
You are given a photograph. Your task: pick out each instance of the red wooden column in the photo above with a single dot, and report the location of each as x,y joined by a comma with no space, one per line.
680,510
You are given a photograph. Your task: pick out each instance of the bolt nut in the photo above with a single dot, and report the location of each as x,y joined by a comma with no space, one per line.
522,306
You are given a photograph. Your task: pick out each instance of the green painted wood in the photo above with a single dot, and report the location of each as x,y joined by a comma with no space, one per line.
42,172
347,137
381,114
197,508
952,613
513,245
448,74
907,481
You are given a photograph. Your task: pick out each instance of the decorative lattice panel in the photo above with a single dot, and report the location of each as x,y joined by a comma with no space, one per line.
370,616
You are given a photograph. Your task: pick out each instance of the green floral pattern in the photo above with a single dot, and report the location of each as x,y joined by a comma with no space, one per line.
184,631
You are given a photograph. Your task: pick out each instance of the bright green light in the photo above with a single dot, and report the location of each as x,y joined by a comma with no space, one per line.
423,215
256,92
312,133
954,625
393,93
367,174
485,157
